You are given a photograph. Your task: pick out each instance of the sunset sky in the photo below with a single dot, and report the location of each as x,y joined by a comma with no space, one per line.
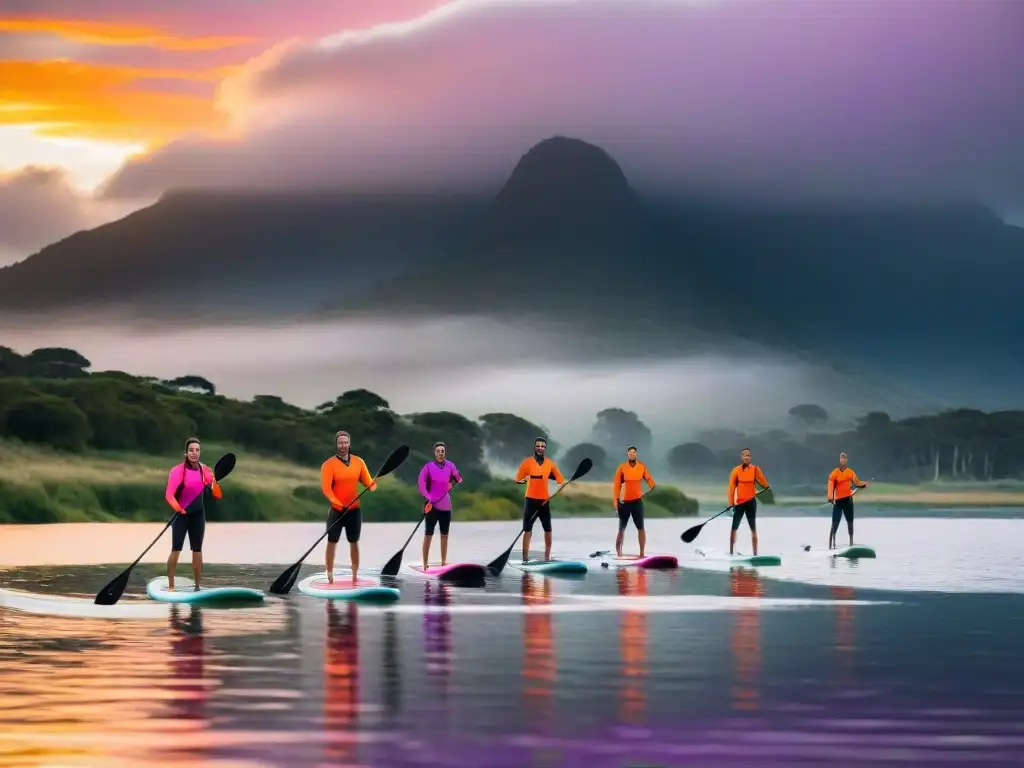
105,104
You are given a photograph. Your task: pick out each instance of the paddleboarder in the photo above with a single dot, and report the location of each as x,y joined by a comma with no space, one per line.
536,471
437,476
841,483
340,477
185,493
743,497
631,474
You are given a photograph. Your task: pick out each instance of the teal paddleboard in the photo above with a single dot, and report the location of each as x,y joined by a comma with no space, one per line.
550,566
185,592
367,589
856,552
737,559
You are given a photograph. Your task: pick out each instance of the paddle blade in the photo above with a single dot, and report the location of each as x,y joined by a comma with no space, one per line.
497,565
766,496
111,593
394,461
585,466
283,584
224,465
391,566
691,533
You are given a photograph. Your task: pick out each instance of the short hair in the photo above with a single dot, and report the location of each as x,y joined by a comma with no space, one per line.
744,450
440,444
843,456
341,432
540,440
631,448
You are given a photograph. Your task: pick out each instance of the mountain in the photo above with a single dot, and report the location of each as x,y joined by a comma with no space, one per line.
238,255
569,243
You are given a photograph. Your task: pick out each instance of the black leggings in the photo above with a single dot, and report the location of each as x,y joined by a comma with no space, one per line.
840,509
438,518
194,525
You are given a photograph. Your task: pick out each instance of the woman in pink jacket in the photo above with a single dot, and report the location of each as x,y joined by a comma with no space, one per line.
186,486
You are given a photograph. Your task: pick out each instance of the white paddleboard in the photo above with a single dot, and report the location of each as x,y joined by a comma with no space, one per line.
738,559
185,592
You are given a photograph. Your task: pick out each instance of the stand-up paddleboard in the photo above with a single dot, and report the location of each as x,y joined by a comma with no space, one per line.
856,552
185,592
550,566
754,560
453,572
647,561
367,589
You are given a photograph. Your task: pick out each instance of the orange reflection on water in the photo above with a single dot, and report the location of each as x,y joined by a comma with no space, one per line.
539,664
341,686
844,631
746,640
186,675
633,647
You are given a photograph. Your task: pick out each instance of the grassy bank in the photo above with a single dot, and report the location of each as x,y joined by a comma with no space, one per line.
44,486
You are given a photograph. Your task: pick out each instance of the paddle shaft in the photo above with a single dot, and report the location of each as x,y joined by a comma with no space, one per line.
545,504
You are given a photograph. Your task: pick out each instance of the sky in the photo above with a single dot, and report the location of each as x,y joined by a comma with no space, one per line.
106,104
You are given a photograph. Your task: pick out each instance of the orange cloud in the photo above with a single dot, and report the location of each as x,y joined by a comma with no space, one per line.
109,33
69,98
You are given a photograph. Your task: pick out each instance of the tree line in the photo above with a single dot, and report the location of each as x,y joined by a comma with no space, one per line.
50,396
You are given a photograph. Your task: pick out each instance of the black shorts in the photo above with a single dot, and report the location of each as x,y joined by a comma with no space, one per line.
193,525
351,523
634,509
840,509
536,509
441,518
748,508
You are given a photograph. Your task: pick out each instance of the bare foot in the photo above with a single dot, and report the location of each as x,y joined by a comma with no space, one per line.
355,579
330,577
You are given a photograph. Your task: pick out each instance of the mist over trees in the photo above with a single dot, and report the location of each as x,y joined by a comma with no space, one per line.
50,396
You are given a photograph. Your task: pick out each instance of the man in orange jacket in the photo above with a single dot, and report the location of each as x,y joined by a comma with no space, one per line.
743,497
841,483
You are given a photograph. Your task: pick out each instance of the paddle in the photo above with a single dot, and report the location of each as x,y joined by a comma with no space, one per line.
391,566
830,503
282,584
498,564
765,494
111,593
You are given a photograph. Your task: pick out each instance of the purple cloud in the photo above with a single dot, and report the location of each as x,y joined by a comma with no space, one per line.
878,98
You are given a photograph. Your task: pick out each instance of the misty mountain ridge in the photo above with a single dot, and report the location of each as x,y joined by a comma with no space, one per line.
567,242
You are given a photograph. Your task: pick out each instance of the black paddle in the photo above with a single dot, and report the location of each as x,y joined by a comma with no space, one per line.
283,584
111,593
391,566
692,533
498,564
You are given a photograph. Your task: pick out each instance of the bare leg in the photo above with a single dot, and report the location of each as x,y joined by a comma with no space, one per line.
444,549
526,545
753,541
332,547
547,545
427,538
197,568
641,537
172,563
618,542
353,550
732,541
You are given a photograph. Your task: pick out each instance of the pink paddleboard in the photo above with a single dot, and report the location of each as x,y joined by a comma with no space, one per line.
452,571
648,561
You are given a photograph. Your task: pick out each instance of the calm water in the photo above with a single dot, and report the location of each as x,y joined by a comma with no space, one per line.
913,658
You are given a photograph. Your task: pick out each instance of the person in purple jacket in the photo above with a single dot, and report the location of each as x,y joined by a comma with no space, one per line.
437,478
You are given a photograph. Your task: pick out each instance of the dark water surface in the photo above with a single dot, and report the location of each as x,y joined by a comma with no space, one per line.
800,665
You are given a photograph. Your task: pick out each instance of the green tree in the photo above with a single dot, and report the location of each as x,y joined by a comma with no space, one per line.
616,429
48,420
192,382
509,438
689,459
571,459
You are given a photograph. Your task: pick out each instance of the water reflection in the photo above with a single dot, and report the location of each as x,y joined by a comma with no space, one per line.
391,674
437,636
539,663
746,641
632,647
186,668
341,685
844,632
